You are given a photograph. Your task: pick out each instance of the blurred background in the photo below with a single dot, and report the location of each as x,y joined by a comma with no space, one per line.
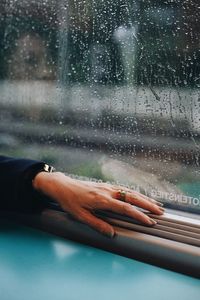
107,90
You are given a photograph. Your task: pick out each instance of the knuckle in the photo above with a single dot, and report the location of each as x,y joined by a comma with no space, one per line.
116,187
127,208
104,202
100,203
100,200
102,227
80,216
135,194
95,203
94,194
108,189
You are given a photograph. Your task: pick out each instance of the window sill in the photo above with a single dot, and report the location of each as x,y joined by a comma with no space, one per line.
131,240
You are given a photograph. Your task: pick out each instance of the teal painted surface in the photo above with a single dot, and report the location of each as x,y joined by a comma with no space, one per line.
38,266
191,189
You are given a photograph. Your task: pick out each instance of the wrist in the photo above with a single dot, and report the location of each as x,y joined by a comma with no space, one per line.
38,175
48,183
39,180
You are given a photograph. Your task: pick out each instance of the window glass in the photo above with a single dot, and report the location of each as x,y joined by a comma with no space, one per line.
105,89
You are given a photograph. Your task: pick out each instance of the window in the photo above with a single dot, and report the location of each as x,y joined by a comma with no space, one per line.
105,89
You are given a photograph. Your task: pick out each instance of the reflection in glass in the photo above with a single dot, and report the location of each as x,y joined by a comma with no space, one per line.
105,89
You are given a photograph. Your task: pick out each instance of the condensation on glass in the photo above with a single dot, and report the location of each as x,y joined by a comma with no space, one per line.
105,89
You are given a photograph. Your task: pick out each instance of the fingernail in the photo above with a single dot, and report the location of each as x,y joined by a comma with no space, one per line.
161,209
110,234
159,203
152,221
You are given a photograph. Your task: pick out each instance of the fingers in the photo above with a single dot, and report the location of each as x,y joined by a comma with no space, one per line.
126,209
147,198
142,201
138,200
99,225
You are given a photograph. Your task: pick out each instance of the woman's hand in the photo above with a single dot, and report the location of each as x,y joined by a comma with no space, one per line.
82,198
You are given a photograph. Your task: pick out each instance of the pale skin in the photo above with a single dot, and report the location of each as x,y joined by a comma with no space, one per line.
82,198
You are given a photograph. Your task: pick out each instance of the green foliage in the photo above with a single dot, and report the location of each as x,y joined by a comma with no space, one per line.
89,169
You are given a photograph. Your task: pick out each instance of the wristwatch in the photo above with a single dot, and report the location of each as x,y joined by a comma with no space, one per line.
39,167
47,168
33,198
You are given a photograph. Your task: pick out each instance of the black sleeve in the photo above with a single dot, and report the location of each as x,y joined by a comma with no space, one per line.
16,191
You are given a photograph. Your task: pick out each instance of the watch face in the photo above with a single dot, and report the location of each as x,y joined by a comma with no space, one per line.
48,168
